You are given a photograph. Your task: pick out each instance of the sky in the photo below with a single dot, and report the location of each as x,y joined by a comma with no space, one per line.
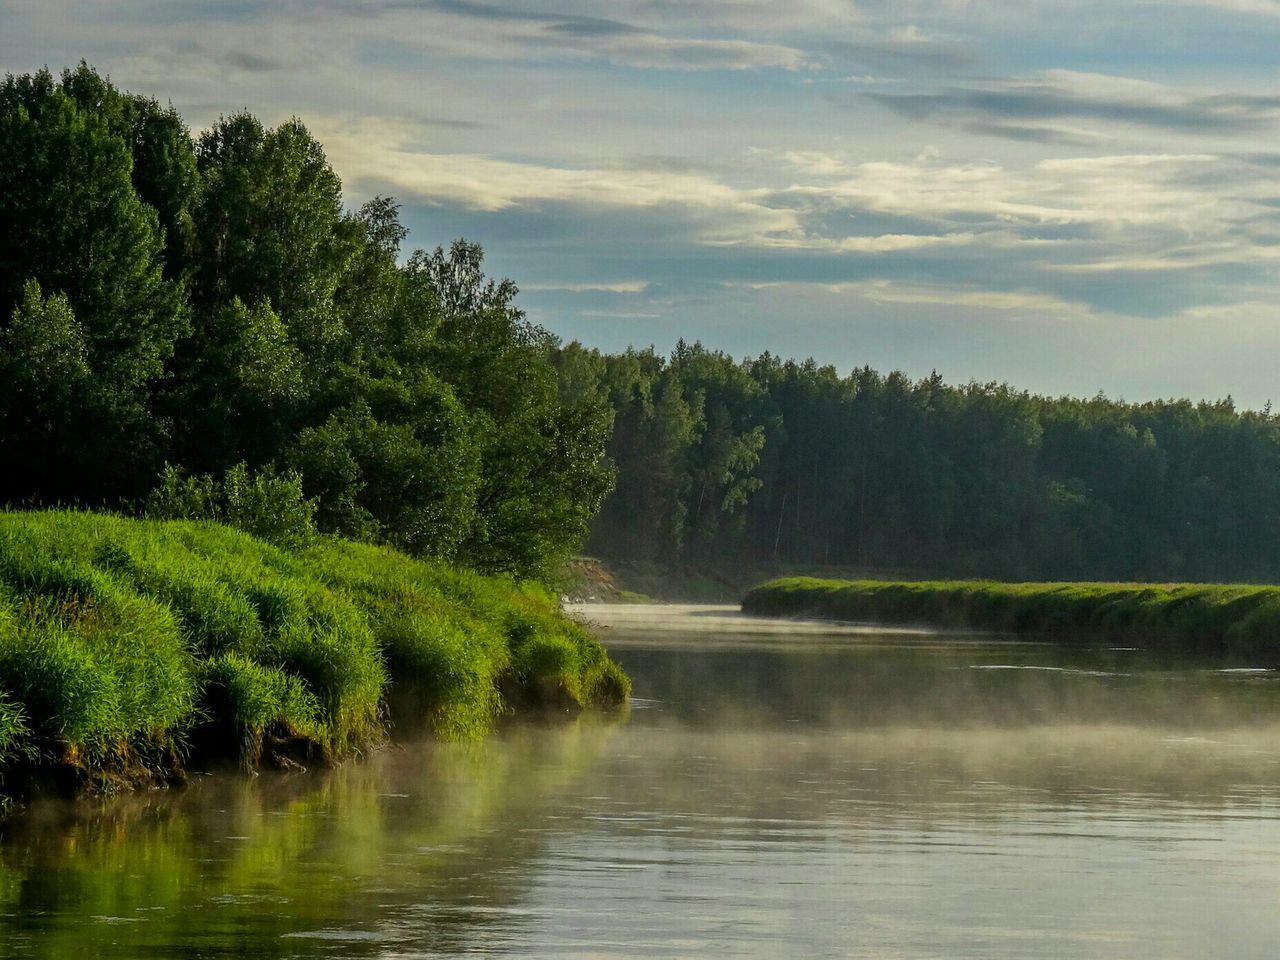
1072,196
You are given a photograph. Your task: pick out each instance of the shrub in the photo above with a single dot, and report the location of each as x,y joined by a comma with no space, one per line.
268,505
179,496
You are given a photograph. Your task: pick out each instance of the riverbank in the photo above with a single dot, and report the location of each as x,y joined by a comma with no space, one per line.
1228,619
130,649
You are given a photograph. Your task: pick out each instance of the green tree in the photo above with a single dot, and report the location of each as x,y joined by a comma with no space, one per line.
164,171
71,220
271,228
543,473
378,473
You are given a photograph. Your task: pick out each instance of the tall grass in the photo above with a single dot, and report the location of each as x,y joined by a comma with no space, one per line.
1223,618
131,643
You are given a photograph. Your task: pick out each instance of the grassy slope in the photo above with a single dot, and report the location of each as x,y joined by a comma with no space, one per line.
127,644
1243,619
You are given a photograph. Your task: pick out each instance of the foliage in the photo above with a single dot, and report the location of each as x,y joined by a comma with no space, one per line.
211,303
267,505
179,496
75,226
541,479
770,462
408,477
127,642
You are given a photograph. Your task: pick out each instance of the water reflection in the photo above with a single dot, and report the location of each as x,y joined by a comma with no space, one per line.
813,792
276,866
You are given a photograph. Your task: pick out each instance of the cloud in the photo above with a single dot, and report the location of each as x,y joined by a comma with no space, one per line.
744,17
1180,258
1170,190
1037,226
899,56
887,291
506,32
1049,134
619,314
655,51
254,63
623,286
1265,8
381,151
1020,107
874,244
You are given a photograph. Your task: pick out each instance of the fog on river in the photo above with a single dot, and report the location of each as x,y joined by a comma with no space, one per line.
776,789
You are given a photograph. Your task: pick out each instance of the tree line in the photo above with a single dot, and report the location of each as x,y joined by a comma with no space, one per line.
776,462
199,325
200,320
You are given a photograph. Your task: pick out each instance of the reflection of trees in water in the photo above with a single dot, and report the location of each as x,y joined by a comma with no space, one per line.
402,846
439,847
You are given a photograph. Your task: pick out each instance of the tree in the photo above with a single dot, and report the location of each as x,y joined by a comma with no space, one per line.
164,170
543,473
44,382
271,228
71,220
407,480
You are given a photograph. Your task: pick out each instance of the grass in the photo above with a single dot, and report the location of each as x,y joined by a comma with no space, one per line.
1235,619
128,646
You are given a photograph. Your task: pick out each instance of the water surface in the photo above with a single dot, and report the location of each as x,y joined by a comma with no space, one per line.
778,789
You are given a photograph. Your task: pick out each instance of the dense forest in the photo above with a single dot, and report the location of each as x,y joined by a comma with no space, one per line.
199,328
773,462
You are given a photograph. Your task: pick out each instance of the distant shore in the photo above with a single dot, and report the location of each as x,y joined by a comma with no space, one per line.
1229,619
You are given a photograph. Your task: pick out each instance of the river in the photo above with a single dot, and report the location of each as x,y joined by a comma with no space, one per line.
777,789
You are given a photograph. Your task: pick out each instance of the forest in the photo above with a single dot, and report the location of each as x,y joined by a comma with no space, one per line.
196,326
783,464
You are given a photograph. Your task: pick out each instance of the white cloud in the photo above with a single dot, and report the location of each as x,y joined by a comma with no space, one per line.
381,151
1183,258
625,286
1193,193
882,244
1001,300
957,295
1266,8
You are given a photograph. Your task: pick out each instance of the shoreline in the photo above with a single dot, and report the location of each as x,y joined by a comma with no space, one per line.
1221,619
132,650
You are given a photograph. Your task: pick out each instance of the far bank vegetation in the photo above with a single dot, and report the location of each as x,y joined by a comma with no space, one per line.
1214,618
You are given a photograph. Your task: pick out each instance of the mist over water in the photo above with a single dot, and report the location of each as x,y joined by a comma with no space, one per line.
778,789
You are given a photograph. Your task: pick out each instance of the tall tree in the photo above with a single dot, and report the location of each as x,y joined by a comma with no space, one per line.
71,220
542,471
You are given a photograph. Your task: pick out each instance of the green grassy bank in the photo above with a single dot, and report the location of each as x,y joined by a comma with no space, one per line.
1218,618
128,648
